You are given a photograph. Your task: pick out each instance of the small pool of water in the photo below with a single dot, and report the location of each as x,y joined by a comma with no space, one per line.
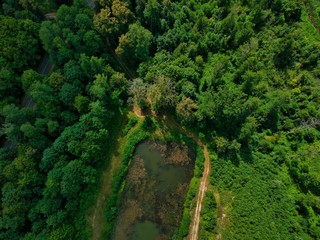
156,187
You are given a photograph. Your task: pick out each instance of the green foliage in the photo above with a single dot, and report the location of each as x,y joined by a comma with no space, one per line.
112,20
70,35
133,120
183,230
19,50
186,109
9,84
241,74
162,94
134,45
135,137
208,216
28,78
19,43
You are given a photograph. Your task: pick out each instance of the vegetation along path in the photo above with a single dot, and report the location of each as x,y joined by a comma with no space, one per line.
194,227
196,219
195,223
97,217
97,220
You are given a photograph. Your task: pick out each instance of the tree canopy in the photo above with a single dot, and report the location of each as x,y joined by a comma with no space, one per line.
242,75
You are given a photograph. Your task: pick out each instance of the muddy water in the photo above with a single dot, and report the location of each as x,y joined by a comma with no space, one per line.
156,187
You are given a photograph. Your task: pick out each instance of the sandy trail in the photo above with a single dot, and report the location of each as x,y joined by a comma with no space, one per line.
201,192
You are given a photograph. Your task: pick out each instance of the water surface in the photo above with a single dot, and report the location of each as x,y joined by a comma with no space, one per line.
156,187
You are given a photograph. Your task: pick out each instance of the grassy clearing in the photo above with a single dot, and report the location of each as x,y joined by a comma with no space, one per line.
97,219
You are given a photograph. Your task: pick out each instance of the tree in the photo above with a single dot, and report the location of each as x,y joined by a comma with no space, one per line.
19,193
43,6
55,81
93,43
152,13
186,109
46,100
292,10
48,32
81,103
119,83
162,94
135,44
19,46
104,22
138,91
71,34
14,118
68,93
111,21
248,128
100,87
9,84
221,144
91,65
28,78
75,174
72,71
227,107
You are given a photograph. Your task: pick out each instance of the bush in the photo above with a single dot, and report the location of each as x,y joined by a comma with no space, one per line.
111,213
183,230
133,120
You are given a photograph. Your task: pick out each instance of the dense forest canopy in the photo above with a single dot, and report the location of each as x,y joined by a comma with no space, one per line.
243,75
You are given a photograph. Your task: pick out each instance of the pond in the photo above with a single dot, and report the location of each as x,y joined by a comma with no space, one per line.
156,186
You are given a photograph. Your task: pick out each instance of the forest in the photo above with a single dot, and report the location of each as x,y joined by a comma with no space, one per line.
243,76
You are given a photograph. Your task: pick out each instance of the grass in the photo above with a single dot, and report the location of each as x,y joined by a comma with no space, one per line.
190,202
89,197
109,171
126,151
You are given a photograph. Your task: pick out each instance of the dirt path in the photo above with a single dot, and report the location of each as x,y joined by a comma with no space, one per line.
201,192
97,218
137,111
195,222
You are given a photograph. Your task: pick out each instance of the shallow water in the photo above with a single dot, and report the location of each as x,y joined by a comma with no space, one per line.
152,201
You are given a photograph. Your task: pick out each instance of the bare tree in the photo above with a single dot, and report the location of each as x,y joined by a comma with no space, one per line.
138,92
307,124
